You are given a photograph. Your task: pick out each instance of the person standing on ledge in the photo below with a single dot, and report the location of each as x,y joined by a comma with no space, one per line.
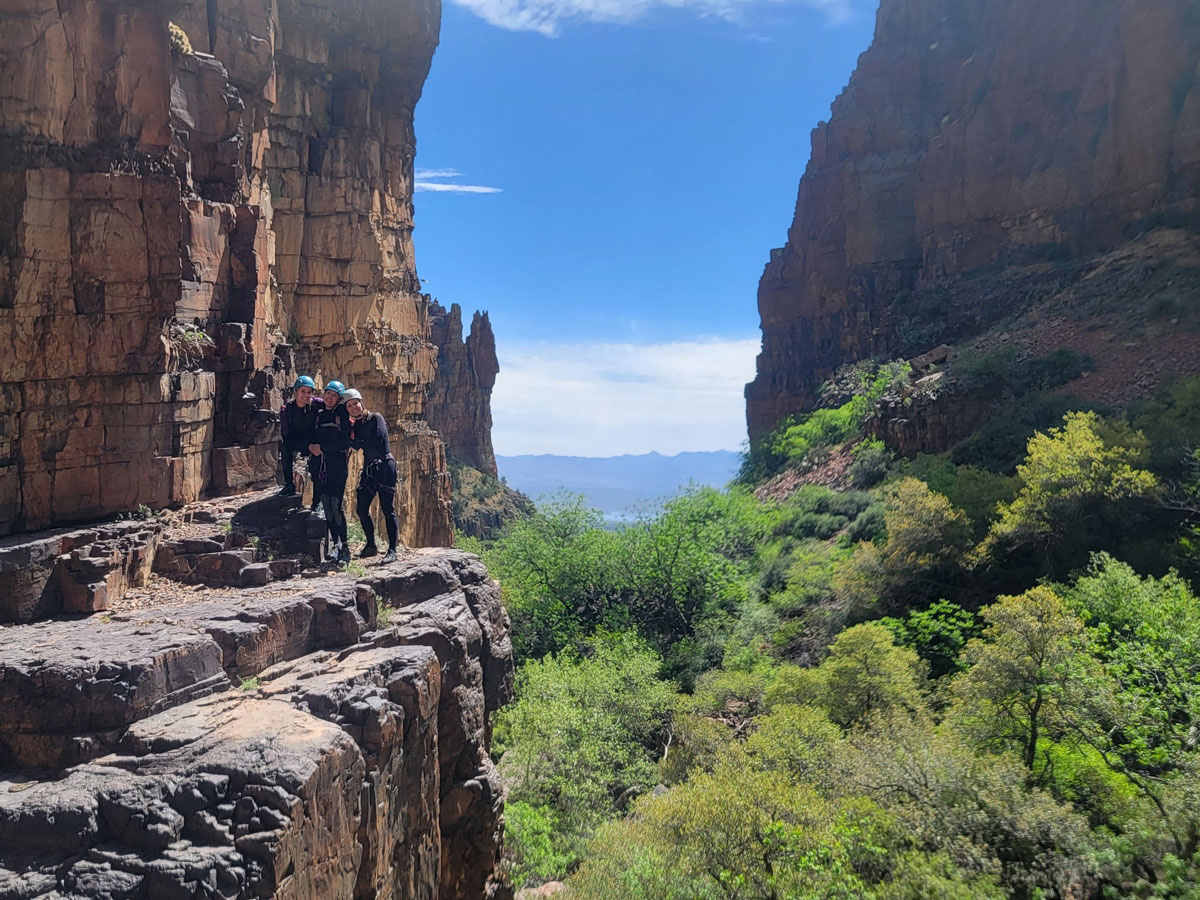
297,420
369,433
331,448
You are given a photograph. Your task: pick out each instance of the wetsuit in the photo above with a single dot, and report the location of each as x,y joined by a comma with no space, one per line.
370,434
331,468
296,424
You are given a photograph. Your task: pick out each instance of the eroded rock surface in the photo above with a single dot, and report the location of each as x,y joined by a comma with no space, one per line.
180,233
265,742
980,154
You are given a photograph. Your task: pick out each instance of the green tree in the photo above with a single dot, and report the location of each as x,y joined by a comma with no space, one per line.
584,733
1072,478
923,550
1147,632
938,634
864,673
558,579
1029,674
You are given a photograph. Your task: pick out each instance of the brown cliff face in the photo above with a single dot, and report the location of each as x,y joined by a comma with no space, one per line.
977,146
459,407
181,233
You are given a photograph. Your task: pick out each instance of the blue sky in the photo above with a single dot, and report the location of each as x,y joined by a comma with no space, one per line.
632,163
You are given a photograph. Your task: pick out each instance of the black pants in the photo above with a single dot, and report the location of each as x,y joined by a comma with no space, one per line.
379,477
329,483
287,459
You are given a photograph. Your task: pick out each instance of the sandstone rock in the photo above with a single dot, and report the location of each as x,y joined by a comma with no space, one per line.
170,217
978,150
459,407
69,688
77,570
354,772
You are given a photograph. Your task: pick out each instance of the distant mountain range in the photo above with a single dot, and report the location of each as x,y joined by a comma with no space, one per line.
618,486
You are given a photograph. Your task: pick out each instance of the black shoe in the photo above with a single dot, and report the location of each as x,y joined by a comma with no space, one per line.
389,557
318,511
334,553
343,555
288,490
368,551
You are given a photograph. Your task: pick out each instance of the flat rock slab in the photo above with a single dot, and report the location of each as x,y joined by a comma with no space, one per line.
69,688
228,796
87,568
256,630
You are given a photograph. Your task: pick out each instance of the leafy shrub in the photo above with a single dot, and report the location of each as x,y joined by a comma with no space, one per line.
583,731
871,462
999,444
1069,475
938,634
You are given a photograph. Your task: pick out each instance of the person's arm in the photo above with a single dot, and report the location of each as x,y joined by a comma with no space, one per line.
381,431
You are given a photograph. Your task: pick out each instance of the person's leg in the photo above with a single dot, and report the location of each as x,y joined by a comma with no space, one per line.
314,475
287,461
338,490
328,506
387,503
364,496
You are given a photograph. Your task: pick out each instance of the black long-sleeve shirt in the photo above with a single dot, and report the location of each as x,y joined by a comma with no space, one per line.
370,435
297,425
332,432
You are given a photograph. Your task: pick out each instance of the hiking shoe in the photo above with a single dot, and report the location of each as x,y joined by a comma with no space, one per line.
368,551
288,490
343,555
318,511
334,553
389,557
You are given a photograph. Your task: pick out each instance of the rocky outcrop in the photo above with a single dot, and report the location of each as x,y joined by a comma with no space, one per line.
483,504
352,763
459,407
180,233
978,156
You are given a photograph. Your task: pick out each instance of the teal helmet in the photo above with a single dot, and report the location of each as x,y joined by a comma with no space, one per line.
335,386
305,381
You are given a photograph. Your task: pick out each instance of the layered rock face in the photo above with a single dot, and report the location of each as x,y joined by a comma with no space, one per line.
182,232
459,407
975,138
353,762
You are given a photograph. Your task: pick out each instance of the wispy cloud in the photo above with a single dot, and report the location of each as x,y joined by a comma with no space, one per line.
422,182
605,399
547,16
455,188
423,174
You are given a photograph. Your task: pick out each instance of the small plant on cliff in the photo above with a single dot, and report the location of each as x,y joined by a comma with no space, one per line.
142,513
249,684
178,39
383,614
186,342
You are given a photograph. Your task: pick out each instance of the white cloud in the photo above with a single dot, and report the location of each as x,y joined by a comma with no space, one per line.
605,399
423,174
454,188
546,16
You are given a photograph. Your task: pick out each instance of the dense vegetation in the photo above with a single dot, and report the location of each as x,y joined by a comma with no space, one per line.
965,676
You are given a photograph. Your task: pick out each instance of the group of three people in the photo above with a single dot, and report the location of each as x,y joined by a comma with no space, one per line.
326,430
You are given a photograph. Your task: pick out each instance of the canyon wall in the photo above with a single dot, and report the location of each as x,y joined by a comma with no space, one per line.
183,229
978,145
459,407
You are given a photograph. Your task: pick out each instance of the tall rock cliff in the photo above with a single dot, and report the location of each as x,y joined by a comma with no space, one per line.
979,143
182,229
459,407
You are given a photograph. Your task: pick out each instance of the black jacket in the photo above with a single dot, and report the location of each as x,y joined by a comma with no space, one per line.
370,435
332,432
298,424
